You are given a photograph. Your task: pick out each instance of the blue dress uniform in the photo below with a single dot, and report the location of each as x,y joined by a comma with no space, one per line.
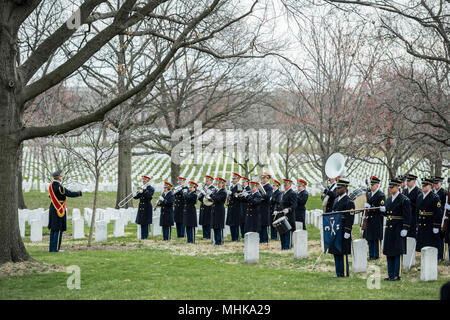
190,213
244,206
412,195
218,214
234,212
398,216
179,209
264,212
274,206
289,202
342,203
145,210
302,198
374,228
330,191
429,217
252,216
205,212
166,217
442,194
58,223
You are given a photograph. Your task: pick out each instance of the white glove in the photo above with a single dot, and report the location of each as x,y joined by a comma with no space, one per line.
403,233
229,192
346,235
445,217
435,230
366,205
286,210
383,209
161,198
185,190
203,192
447,206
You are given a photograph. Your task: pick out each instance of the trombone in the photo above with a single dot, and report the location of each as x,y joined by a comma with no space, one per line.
130,197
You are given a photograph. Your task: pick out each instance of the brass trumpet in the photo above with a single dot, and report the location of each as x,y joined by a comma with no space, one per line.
130,197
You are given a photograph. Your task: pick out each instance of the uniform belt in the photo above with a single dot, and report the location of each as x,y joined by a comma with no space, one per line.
394,217
425,213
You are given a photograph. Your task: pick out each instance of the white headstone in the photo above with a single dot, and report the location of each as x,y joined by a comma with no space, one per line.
156,228
298,225
447,258
428,268
359,256
226,231
251,247
44,218
119,230
101,231
300,241
78,228
36,230
212,235
88,216
22,220
409,259
139,234
76,214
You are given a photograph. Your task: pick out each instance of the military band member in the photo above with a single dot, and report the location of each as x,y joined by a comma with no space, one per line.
429,217
397,210
253,213
302,198
343,203
264,207
442,193
330,191
179,206
288,205
57,222
374,227
145,210
190,211
247,189
274,206
166,201
234,206
218,210
402,179
412,192
205,211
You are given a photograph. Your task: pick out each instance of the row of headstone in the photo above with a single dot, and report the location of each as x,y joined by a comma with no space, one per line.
37,219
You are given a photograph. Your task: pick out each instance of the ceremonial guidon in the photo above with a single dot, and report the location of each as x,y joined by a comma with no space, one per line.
397,210
374,227
145,209
264,207
190,212
330,194
252,215
275,205
442,194
246,190
234,206
413,192
345,205
205,210
57,222
166,201
218,210
179,206
302,198
288,205
429,217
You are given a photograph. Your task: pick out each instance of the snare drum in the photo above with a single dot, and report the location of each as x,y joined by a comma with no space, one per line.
282,225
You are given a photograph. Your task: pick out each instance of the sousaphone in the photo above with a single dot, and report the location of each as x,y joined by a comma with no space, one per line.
334,167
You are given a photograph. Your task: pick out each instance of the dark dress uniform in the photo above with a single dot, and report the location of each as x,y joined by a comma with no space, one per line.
205,215
374,228
341,257
264,211
244,206
412,196
429,216
218,214
275,203
234,212
57,224
178,211
330,191
252,216
166,216
302,198
145,210
442,194
288,201
190,215
398,217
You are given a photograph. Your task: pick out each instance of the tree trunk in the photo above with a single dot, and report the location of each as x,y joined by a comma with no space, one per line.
174,172
124,168
21,200
94,208
438,164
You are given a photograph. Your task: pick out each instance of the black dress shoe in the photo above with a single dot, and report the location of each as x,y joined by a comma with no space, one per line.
395,279
388,279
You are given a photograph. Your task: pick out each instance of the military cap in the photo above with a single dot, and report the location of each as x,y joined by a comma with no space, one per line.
276,182
265,174
301,182
57,173
286,181
410,176
219,179
192,183
342,183
394,182
145,177
209,177
437,179
427,181
374,180
167,184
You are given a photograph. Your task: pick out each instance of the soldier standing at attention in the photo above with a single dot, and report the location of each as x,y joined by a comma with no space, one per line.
218,210
190,211
442,194
179,206
166,201
274,206
412,192
145,211
288,205
264,207
234,207
302,198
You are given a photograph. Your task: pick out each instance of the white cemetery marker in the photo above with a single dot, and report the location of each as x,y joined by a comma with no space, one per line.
300,240
156,228
251,247
78,228
212,235
298,225
44,218
359,256
139,234
409,259
226,231
322,243
428,268
101,231
22,220
36,230
118,228
76,214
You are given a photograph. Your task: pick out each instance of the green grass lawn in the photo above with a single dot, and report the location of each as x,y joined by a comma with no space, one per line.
153,269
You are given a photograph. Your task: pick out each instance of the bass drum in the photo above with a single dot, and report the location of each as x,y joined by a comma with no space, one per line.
358,196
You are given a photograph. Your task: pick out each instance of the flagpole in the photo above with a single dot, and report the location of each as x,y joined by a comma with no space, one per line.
328,213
